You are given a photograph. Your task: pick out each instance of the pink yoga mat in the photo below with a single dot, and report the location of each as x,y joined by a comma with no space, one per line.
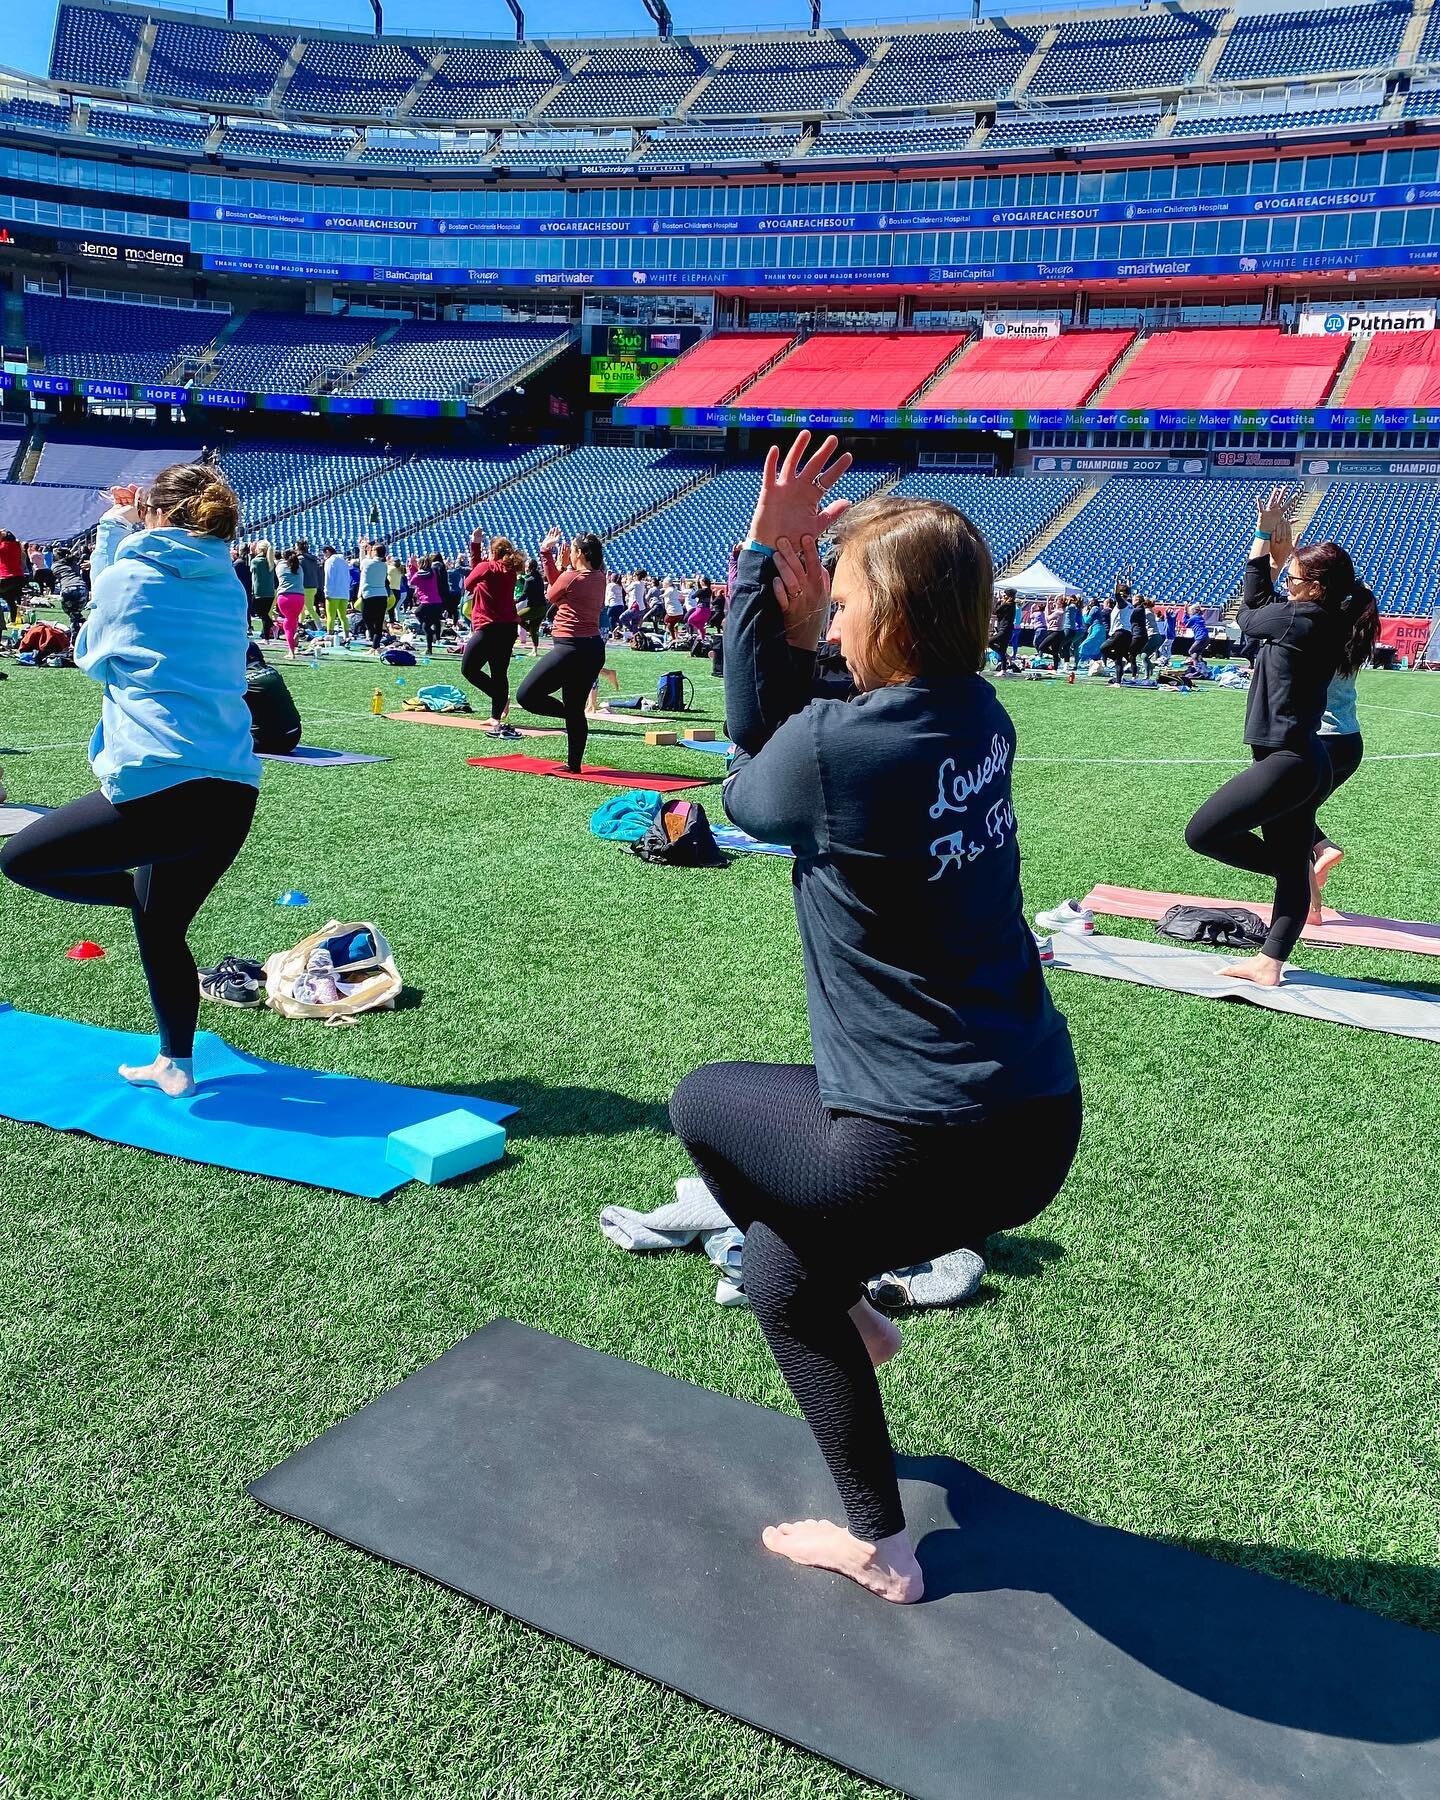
537,765
1339,930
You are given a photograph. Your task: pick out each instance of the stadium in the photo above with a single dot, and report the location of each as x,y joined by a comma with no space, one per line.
1102,277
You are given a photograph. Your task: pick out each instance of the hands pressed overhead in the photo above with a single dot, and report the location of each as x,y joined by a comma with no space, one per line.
791,515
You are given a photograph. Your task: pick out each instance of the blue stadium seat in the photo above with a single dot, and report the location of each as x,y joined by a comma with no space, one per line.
1010,510
94,49
1314,43
353,79
399,150
893,137
1392,531
288,353
1237,124
274,479
96,340
1114,56
630,81
297,143
40,115
1187,539
700,149
1015,131
500,83
446,362
946,68
801,75
543,150
169,130
207,62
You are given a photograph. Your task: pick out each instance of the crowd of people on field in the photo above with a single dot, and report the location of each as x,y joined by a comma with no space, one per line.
1126,632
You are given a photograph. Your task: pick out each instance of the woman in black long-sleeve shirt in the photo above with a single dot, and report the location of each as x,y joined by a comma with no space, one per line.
1301,641
943,1103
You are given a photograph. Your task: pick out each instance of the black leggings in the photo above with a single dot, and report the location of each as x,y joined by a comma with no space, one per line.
179,842
486,663
828,1199
570,670
374,611
1277,794
11,588
429,615
1345,751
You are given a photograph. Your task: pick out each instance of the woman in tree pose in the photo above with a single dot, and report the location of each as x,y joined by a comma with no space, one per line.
943,1102
1263,819
559,685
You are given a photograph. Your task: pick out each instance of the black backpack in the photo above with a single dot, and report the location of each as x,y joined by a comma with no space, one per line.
670,695
1228,927
680,835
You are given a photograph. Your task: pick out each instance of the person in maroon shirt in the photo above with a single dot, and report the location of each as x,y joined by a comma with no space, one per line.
486,662
575,587
12,574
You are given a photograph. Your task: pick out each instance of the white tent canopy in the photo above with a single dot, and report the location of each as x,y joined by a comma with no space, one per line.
1037,582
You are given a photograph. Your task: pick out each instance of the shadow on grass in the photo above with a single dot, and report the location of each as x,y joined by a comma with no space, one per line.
1407,1592
558,1111
1020,1256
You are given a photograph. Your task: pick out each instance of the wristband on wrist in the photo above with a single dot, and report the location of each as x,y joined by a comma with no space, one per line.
755,544
1263,537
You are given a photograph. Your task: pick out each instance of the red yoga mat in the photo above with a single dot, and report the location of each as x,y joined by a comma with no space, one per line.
627,778
1338,931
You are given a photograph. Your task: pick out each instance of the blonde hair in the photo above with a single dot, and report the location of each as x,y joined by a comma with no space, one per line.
263,547
505,553
929,575
198,498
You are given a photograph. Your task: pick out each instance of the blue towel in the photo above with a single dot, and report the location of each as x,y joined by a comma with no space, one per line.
321,759
260,1118
719,749
731,837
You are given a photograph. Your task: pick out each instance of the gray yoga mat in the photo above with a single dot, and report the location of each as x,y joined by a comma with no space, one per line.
15,818
1372,1005
620,1510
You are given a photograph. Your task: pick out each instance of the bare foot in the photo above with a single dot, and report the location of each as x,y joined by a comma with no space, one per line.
887,1567
1264,971
173,1077
882,1336
1327,860
1316,914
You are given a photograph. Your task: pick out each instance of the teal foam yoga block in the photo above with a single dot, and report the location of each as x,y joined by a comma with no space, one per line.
452,1144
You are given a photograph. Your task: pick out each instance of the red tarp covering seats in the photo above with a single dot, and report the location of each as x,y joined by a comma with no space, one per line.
1265,367
851,369
1029,372
712,369
1398,370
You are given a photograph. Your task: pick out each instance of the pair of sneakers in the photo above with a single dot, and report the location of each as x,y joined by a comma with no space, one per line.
234,981
1070,918
499,729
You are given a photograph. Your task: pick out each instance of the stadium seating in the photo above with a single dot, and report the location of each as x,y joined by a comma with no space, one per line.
288,353
799,75
592,489
353,80
1186,539
630,81
1424,102
446,361
1113,56
713,370
1310,43
1400,370
67,461
1274,123
297,143
1016,131
701,148
43,115
274,479
168,130
897,137
204,62
96,340
946,69
1028,372
557,152
1204,368
1009,512
1392,531
879,369
407,150
500,82
694,534
94,49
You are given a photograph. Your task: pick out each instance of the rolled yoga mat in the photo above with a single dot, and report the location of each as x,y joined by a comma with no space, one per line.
621,1510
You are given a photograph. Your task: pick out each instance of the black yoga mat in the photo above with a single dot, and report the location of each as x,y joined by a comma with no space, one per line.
620,1510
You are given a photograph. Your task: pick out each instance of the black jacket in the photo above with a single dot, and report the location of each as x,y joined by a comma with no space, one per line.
1298,649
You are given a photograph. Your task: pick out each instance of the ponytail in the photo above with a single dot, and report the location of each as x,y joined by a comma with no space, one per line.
1361,613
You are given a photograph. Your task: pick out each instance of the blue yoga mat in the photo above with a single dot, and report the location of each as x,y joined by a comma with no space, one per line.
257,1117
718,749
731,837
321,759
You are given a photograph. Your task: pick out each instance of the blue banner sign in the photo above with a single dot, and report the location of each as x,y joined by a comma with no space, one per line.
741,417
970,218
229,399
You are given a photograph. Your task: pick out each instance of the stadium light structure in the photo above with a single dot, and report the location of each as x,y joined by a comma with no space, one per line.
814,15
660,13
519,20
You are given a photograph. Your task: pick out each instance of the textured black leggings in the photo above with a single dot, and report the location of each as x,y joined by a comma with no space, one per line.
373,613
1345,752
486,663
826,1199
1277,795
570,670
179,843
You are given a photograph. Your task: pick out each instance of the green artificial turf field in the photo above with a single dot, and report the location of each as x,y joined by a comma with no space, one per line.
1222,1333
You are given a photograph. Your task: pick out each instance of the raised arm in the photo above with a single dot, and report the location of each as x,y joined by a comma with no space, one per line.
1262,615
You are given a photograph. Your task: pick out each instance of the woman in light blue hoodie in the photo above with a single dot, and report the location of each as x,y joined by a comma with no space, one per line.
165,639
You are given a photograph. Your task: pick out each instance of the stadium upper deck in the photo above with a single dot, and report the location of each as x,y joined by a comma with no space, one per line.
175,82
